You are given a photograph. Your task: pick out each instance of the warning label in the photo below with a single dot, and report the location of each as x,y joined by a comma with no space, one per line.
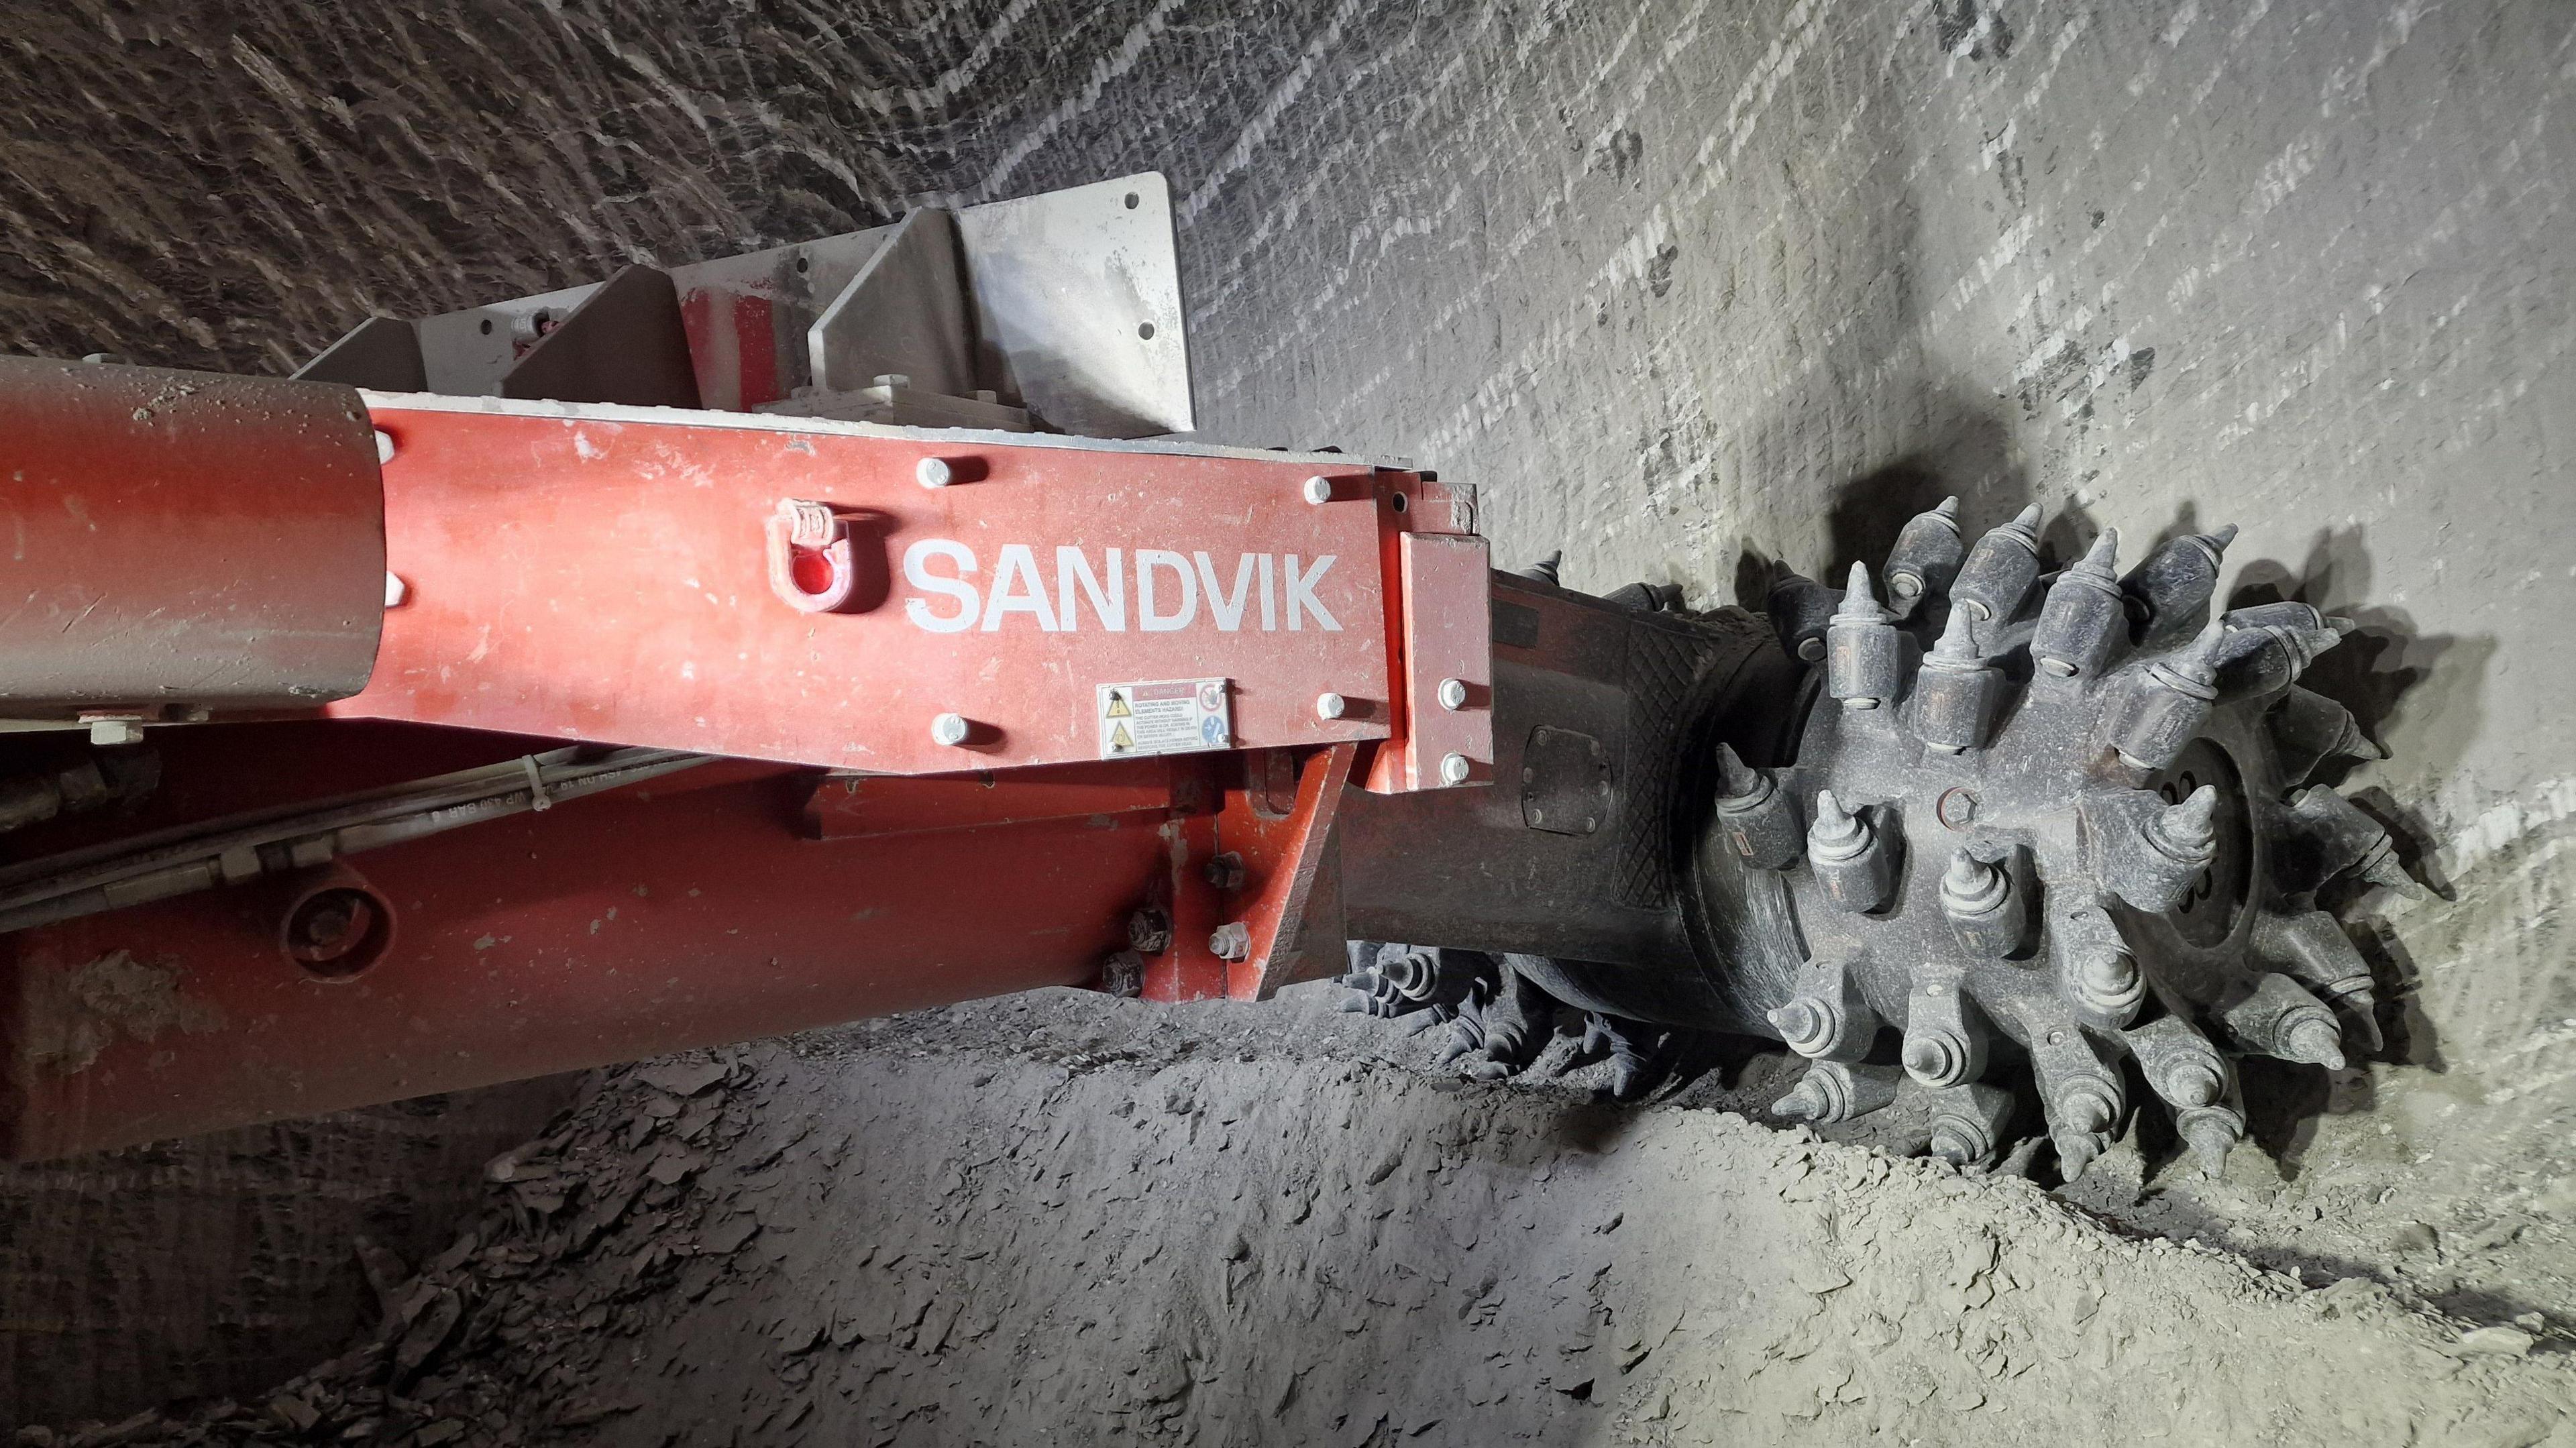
1173,716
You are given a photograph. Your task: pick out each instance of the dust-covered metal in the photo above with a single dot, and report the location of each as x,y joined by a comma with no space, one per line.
801,597
184,540
2127,866
1060,310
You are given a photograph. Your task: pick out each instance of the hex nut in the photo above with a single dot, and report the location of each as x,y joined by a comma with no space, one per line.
1123,974
1149,931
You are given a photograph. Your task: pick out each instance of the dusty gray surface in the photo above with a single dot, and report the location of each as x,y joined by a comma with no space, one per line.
1081,1221
224,1263
1669,282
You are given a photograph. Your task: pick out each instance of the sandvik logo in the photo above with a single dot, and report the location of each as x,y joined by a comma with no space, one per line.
1267,590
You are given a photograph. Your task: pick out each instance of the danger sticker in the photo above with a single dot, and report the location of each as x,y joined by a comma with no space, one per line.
1174,716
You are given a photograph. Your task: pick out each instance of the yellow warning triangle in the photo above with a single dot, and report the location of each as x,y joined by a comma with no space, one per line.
1119,738
1118,706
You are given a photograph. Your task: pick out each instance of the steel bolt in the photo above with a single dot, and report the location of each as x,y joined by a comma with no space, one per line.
1453,693
1318,490
1149,930
384,446
1955,809
111,733
1225,871
1454,769
397,592
1123,974
1331,706
1231,941
949,730
934,472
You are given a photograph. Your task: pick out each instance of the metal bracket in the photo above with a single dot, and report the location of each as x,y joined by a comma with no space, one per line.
903,315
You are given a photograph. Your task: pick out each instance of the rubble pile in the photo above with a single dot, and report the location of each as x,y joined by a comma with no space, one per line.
1093,1222
497,1339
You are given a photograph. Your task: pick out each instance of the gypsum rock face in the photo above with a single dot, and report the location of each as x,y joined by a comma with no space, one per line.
2156,817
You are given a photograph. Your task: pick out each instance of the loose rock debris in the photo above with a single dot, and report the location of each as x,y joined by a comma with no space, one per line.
831,1242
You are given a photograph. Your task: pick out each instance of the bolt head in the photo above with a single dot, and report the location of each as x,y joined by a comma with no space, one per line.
948,730
384,447
1331,706
1453,693
1317,490
1454,769
112,733
934,473
1123,974
1956,809
1149,931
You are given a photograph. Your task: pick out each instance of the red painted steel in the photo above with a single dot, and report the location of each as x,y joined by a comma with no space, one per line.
604,576
613,576
1293,907
691,910
858,806
604,929
184,538
1442,643
738,341
1287,894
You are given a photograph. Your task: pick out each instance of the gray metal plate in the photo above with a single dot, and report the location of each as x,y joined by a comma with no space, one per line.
1078,306
1076,297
